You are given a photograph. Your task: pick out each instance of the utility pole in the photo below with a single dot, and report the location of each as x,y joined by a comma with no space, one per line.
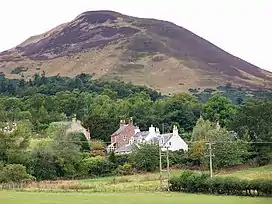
168,163
168,169
210,156
160,166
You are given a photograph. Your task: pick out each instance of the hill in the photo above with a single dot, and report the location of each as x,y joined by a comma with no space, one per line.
149,52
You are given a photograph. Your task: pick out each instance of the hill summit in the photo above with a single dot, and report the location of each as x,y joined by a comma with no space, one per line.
151,52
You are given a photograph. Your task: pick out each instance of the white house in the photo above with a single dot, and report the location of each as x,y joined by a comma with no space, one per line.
172,141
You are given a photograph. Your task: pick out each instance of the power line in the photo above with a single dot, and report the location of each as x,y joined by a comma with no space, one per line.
189,142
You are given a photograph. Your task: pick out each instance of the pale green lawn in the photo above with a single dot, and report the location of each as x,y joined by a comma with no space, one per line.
264,172
10,197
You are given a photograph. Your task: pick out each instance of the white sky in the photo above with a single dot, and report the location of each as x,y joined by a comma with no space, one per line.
241,27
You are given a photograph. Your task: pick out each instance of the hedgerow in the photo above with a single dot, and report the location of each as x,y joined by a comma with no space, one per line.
192,182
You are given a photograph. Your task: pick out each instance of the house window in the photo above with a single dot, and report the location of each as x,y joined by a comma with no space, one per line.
125,137
162,142
169,143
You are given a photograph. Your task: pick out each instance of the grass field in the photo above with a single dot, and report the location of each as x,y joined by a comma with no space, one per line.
11,197
131,189
145,182
264,172
135,183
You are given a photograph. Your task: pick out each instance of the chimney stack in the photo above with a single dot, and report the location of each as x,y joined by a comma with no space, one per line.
157,131
131,120
152,129
122,123
175,130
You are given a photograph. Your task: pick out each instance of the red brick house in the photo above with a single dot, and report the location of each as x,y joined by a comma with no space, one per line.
123,135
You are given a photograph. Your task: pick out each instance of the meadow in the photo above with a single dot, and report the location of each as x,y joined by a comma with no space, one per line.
148,182
132,189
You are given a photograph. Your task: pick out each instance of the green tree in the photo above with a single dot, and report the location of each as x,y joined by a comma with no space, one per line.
254,119
219,108
80,140
182,109
43,163
67,152
228,150
103,117
146,157
13,145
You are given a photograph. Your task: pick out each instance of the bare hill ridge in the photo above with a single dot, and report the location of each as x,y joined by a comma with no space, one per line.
152,52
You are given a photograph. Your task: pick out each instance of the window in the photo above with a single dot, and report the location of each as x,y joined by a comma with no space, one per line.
169,143
162,141
125,137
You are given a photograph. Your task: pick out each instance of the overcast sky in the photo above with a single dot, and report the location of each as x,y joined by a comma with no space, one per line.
241,27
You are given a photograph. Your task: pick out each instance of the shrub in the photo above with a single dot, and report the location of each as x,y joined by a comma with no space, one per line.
146,157
96,166
192,182
43,164
125,169
14,173
121,159
97,148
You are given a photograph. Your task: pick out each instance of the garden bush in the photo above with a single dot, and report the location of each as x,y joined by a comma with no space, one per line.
125,169
96,166
192,182
14,173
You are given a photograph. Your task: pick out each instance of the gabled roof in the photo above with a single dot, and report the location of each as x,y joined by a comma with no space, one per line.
121,129
166,137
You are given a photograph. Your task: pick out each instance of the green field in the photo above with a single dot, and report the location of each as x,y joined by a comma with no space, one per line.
134,183
133,189
10,197
264,172
150,182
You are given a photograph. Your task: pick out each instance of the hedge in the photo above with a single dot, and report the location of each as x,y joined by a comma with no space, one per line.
192,182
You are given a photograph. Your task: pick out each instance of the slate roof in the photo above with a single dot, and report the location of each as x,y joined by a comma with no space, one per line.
125,148
142,134
166,137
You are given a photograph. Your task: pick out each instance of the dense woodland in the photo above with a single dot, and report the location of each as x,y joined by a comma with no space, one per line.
39,150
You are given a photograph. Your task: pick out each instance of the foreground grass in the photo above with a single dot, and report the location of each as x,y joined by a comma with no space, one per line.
11,197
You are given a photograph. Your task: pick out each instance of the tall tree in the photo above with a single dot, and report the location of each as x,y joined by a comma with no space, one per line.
228,149
14,144
219,108
255,118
